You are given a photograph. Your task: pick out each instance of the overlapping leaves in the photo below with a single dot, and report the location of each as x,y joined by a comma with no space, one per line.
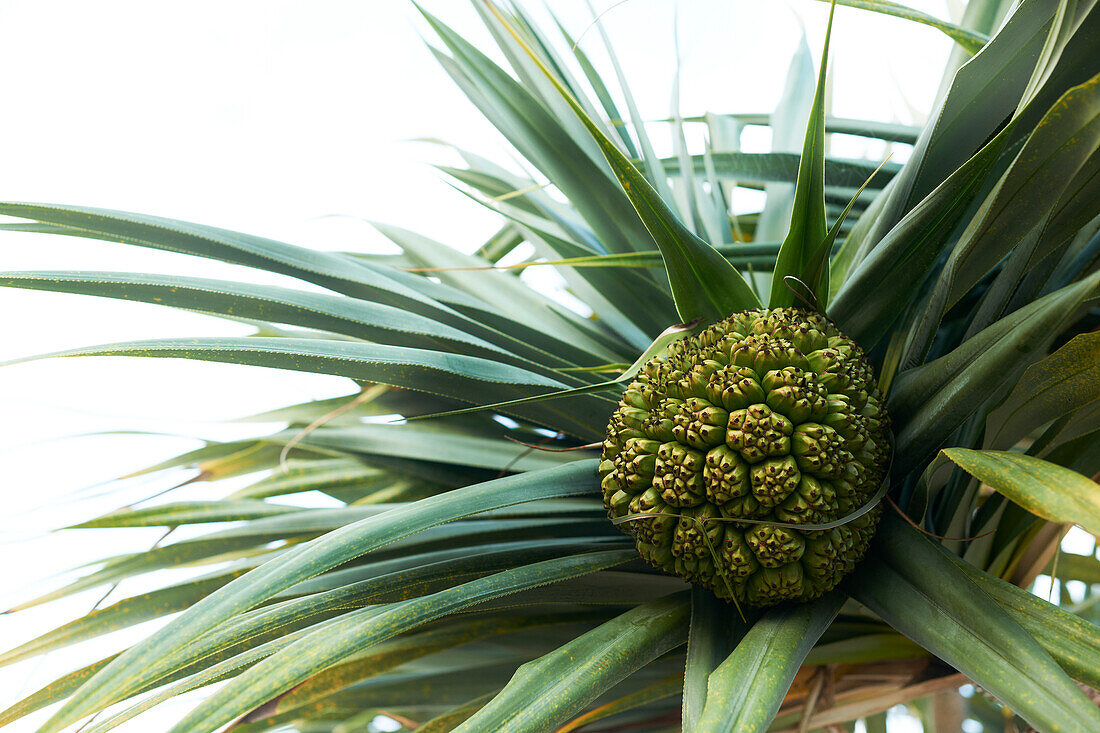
462,551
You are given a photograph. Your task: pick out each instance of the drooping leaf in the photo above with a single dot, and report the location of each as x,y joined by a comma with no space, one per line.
52,693
1045,489
405,649
383,582
453,375
213,668
125,613
195,512
349,316
242,549
971,41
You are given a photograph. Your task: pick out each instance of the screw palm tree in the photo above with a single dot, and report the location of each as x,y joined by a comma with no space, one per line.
471,579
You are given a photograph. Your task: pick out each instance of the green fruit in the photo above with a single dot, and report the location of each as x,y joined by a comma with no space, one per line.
770,415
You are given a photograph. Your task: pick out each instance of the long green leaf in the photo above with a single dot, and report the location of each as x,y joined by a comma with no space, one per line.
54,692
533,79
1060,384
453,375
656,349
526,122
746,690
502,293
302,562
916,587
349,316
258,634
610,109
880,286
341,273
888,131
329,475
714,633
670,686
214,668
404,693
455,446
1021,202
1045,489
982,95
327,646
1071,640
454,717
548,692
188,512
931,402
629,303
799,256
654,170
386,581
123,614
971,41
204,550
780,167
704,284
401,367
762,254
334,271
407,648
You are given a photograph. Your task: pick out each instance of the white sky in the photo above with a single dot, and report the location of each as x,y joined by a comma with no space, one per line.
288,119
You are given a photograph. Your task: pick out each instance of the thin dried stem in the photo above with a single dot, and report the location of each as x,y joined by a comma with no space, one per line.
365,396
811,702
534,446
922,530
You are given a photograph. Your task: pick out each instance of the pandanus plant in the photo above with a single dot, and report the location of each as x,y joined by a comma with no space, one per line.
835,454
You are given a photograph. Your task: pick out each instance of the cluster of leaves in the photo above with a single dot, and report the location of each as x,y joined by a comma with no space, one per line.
471,582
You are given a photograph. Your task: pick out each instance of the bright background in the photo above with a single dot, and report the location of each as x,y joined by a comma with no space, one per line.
293,120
